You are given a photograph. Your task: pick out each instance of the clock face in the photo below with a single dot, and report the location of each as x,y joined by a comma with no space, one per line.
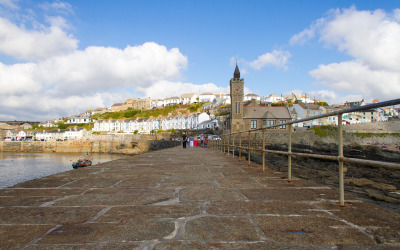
237,89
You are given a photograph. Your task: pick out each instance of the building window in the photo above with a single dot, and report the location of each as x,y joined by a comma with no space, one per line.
271,123
237,107
253,124
264,123
283,126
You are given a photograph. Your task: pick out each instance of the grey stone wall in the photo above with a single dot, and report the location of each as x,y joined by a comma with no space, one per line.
392,126
77,146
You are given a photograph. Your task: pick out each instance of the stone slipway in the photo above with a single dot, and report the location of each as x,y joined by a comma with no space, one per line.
186,199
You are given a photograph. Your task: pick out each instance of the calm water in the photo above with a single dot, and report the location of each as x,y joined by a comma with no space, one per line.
20,167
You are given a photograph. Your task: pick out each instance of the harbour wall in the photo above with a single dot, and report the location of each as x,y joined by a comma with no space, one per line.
116,144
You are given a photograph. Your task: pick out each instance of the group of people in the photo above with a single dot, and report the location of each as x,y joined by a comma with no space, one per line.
194,141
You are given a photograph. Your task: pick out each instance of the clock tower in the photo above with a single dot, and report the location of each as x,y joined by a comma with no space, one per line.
236,89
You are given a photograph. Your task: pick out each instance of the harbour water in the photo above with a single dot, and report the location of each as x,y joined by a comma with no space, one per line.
20,167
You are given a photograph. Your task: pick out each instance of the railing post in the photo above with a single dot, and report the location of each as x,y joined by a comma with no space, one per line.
248,153
341,174
223,144
233,146
290,154
240,146
229,137
263,148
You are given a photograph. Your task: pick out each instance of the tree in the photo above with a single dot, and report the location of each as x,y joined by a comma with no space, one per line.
323,104
62,125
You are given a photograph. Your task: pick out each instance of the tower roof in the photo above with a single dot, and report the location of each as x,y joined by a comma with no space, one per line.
236,74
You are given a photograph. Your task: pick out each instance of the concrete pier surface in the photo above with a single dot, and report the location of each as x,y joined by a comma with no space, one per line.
187,199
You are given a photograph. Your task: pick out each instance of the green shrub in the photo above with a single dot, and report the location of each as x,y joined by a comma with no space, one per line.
325,130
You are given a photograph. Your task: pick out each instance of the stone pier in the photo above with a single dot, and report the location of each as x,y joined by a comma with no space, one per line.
187,199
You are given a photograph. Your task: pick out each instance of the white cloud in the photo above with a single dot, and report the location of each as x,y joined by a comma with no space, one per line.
276,58
17,79
9,4
100,68
355,77
44,106
95,69
58,6
61,80
371,38
64,83
26,44
396,15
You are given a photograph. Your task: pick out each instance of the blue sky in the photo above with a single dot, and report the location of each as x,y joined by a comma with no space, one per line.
59,58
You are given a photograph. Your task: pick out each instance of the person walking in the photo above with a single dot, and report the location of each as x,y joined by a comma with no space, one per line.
205,141
184,140
191,141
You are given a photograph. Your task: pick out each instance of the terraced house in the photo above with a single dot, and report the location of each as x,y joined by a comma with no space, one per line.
146,125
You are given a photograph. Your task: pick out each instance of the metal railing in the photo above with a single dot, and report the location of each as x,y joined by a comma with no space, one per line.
228,143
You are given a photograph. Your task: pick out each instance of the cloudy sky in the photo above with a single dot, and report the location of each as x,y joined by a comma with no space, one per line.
59,58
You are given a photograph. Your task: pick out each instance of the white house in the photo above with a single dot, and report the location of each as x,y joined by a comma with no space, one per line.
307,110
273,98
171,101
209,124
75,134
157,103
47,124
206,97
51,135
305,99
250,97
223,99
82,118
189,98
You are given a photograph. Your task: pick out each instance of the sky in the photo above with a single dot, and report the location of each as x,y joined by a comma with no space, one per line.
59,58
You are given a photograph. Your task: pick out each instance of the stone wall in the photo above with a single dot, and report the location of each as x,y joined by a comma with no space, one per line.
308,137
391,126
119,145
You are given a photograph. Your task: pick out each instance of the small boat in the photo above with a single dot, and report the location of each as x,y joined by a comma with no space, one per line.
83,162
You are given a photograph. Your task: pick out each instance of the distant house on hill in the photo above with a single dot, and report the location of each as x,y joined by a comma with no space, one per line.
116,107
250,97
189,98
206,97
82,118
171,101
348,104
26,126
